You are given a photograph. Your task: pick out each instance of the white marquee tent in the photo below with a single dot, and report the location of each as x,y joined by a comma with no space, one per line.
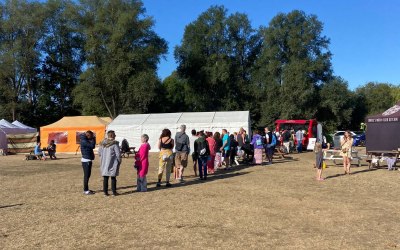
131,127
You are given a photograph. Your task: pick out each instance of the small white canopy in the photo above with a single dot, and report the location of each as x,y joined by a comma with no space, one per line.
6,124
21,125
131,127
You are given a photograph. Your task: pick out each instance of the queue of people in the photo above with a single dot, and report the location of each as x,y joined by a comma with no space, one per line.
209,152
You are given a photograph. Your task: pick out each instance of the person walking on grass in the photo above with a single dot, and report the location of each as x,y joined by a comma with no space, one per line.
87,144
203,151
142,163
346,146
182,148
319,160
110,161
165,145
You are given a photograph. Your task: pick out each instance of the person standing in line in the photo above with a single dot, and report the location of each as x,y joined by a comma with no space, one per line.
233,150
110,161
211,158
270,144
346,144
193,153
182,148
258,145
142,163
218,154
319,160
165,145
286,140
226,146
87,144
203,151
299,139
267,140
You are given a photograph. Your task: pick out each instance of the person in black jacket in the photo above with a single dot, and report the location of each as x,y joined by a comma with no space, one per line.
203,151
88,143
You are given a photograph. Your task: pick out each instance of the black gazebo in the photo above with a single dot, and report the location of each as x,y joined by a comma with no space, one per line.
383,130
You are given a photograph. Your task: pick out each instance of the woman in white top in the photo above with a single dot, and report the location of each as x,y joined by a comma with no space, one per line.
345,145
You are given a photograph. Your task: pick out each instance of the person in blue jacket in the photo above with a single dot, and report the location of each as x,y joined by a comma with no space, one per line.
88,143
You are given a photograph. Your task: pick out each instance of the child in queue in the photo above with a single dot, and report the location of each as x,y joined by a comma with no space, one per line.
319,160
142,163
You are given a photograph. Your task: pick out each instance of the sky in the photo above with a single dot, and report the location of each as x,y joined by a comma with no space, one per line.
364,34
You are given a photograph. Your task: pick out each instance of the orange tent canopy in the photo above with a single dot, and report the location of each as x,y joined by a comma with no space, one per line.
65,132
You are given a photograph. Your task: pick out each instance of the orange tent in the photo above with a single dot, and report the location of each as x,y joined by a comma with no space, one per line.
66,131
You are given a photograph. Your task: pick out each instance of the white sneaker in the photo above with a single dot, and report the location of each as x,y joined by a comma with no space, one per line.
89,192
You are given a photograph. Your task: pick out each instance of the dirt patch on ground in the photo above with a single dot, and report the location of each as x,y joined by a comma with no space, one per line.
274,206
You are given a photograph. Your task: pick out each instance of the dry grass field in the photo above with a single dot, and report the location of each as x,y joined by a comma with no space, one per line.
280,206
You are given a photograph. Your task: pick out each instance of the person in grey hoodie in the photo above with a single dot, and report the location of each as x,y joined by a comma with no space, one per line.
110,161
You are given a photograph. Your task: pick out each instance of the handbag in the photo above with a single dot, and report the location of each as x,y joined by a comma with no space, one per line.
323,165
344,150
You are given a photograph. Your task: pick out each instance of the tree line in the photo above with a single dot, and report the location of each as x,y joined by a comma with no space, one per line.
100,57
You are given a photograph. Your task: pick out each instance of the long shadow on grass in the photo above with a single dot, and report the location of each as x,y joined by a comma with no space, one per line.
14,205
187,183
352,173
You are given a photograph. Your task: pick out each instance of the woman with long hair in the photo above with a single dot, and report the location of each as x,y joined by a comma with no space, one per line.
345,146
165,145
218,154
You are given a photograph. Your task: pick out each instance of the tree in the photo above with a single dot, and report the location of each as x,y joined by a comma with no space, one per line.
294,62
337,105
216,57
175,92
122,52
62,49
21,27
378,96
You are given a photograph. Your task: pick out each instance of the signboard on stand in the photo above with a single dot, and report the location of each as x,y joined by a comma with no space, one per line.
311,143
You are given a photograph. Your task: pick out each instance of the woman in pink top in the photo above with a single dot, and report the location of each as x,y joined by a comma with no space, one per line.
211,144
142,164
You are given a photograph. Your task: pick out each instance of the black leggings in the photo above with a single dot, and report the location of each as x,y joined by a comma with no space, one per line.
87,171
113,184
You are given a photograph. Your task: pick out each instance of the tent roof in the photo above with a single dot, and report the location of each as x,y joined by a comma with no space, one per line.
390,115
78,121
106,119
21,125
181,118
6,124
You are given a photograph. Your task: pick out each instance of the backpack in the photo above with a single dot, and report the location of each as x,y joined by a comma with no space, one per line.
202,147
259,141
273,140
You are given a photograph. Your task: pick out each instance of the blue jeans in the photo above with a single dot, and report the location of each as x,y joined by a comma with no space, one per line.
299,147
203,166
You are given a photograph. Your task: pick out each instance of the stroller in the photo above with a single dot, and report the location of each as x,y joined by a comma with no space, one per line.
125,150
249,150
